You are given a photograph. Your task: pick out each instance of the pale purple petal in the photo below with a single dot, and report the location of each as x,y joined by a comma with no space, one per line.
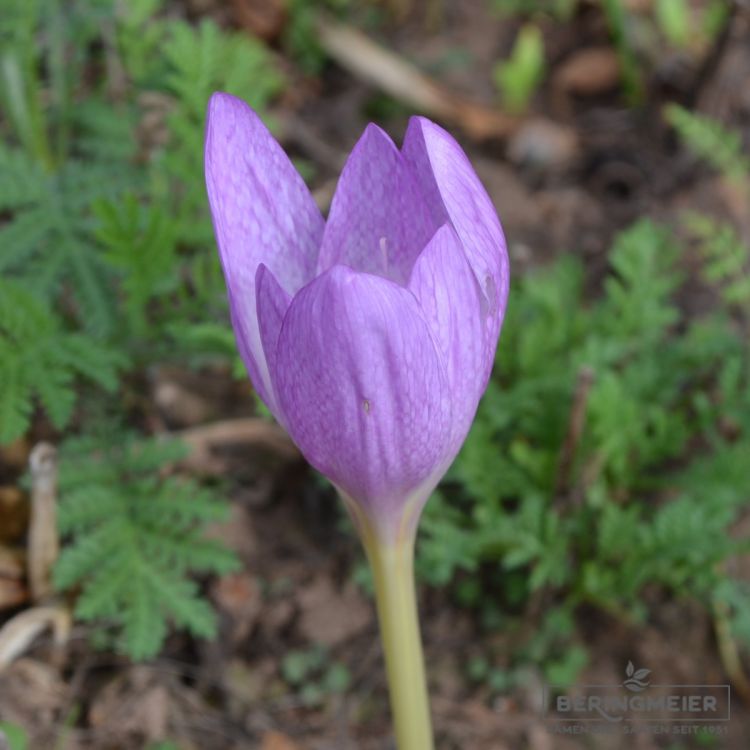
272,304
454,193
379,221
364,390
262,212
451,301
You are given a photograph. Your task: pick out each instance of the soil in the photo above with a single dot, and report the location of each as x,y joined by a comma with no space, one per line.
579,168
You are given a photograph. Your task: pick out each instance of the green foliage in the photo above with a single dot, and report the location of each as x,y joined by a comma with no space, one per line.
122,252
15,736
519,77
134,536
621,29
47,244
314,675
710,141
673,17
139,242
726,258
201,60
627,504
40,361
300,35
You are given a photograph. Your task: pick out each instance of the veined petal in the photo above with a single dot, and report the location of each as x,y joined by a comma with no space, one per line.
364,390
262,212
454,193
272,303
379,220
445,286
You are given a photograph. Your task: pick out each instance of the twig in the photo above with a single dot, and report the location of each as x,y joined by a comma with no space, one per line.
388,71
43,544
575,429
250,432
295,129
728,651
712,60
18,633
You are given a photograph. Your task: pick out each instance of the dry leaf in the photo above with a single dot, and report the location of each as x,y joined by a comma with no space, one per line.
278,741
239,596
330,617
14,513
263,18
588,72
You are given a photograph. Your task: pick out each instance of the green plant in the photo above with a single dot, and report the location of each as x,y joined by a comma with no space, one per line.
518,78
710,141
627,502
201,60
673,18
39,361
14,735
726,257
621,29
133,536
120,252
314,675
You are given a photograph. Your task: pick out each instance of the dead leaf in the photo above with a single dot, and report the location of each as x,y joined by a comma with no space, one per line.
13,593
239,596
15,455
28,677
14,513
236,532
247,684
263,18
133,703
543,144
277,741
587,72
329,616
12,562
277,616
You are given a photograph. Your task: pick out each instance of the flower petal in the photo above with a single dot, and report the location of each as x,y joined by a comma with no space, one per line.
262,212
454,193
272,304
379,221
364,390
452,303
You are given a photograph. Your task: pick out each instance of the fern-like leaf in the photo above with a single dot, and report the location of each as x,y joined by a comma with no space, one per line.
133,538
726,258
39,360
710,141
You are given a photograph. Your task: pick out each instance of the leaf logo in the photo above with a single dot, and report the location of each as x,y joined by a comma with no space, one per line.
636,678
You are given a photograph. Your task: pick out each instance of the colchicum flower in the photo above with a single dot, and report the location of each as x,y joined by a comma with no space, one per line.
369,336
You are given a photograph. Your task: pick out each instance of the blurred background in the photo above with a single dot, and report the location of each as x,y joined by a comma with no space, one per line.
172,575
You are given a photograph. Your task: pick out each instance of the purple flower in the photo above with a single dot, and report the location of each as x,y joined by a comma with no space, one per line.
370,336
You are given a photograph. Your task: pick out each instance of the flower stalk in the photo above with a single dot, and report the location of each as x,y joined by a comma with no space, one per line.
392,566
370,335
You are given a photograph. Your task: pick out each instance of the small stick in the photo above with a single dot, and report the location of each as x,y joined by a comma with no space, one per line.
383,68
250,431
729,652
17,635
43,543
575,429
